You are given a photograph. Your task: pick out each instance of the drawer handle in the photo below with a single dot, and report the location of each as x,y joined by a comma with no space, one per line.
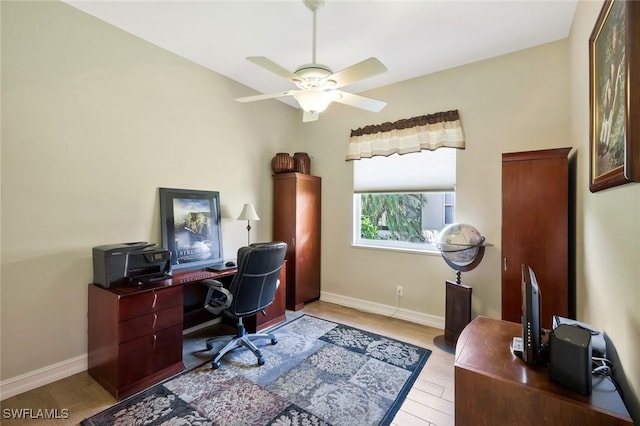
155,339
155,319
155,299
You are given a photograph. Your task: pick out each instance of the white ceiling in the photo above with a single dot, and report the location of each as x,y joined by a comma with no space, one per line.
412,38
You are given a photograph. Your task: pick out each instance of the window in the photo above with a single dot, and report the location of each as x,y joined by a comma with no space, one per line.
403,202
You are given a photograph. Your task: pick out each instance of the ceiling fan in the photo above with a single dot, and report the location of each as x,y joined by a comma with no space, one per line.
317,84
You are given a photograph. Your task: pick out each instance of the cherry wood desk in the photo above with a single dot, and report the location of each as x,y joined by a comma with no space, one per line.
135,332
494,387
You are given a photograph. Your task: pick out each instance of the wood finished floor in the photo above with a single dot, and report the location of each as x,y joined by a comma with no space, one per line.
430,401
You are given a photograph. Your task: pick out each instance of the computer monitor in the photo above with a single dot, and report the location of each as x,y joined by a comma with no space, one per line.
531,330
191,227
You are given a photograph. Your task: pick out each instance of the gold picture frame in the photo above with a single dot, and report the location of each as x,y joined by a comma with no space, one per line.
614,96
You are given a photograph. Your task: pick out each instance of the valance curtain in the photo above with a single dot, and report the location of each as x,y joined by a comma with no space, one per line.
442,129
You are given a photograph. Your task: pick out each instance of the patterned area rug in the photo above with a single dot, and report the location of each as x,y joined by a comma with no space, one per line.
319,373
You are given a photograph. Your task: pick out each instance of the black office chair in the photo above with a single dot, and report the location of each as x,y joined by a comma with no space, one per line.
252,289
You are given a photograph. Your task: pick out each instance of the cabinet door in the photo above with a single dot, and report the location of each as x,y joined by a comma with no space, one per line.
144,356
307,248
168,347
284,225
535,232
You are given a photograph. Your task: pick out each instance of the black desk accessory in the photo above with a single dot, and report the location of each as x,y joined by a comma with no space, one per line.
570,357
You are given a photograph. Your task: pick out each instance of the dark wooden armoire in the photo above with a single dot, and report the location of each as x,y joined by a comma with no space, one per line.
296,221
536,230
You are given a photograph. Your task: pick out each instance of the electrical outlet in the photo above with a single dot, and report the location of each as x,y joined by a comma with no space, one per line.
399,291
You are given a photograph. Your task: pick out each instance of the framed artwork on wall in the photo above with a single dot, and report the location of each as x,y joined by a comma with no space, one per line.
191,228
614,96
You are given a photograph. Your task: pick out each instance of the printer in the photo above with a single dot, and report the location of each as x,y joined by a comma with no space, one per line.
116,265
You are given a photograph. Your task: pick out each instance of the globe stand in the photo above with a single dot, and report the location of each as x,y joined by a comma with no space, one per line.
457,314
443,345
458,295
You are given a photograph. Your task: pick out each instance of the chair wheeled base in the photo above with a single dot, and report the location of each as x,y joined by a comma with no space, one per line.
239,340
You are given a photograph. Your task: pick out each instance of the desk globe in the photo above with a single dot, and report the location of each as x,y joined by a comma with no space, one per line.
462,248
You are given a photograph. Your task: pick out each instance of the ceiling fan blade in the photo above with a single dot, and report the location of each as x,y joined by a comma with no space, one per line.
267,96
269,65
361,102
360,71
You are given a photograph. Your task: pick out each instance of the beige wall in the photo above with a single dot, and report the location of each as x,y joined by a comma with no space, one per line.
608,267
510,103
94,121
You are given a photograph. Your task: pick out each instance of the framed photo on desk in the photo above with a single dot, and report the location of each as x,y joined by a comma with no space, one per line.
191,228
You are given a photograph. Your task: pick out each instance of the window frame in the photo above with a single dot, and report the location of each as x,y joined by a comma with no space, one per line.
420,172
392,245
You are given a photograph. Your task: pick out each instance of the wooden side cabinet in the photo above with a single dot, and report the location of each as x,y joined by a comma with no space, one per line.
494,387
296,221
135,339
535,230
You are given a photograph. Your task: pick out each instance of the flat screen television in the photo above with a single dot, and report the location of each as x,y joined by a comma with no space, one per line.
531,330
191,227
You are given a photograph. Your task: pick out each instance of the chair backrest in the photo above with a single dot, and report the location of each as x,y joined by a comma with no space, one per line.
254,285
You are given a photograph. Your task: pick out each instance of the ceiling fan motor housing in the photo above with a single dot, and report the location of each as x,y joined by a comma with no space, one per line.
314,76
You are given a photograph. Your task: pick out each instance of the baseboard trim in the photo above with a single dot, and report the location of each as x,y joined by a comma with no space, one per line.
385,310
42,376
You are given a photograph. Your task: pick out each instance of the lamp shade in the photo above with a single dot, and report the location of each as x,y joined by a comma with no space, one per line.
248,213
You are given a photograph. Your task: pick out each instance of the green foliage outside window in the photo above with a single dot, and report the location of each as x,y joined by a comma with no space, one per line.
367,229
400,213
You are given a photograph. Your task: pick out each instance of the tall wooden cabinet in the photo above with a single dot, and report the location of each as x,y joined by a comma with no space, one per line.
296,221
535,230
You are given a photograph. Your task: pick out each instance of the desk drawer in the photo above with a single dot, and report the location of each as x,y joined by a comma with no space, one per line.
148,354
149,301
149,323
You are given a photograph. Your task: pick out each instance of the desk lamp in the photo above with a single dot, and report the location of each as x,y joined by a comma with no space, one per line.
248,214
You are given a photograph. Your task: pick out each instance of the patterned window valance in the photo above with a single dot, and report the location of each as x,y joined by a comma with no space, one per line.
409,135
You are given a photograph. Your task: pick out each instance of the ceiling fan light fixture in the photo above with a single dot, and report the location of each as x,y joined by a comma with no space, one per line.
313,100
317,83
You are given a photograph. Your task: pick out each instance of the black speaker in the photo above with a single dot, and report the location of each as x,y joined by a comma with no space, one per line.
570,357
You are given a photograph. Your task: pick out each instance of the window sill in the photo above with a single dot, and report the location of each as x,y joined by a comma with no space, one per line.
396,249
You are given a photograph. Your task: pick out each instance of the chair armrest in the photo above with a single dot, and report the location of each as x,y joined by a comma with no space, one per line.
218,298
212,283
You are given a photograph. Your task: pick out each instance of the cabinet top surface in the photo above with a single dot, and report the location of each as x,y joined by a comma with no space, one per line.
178,279
484,347
295,175
536,155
